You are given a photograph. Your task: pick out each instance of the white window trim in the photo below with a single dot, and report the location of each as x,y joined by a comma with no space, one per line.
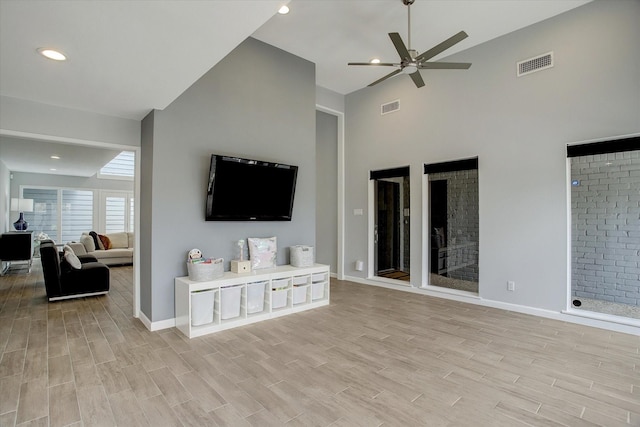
114,177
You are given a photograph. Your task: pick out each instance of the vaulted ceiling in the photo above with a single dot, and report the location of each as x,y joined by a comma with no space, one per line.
129,57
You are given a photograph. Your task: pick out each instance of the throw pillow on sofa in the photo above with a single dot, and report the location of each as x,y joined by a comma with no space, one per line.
88,243
71,258
106,242
119,240
96,240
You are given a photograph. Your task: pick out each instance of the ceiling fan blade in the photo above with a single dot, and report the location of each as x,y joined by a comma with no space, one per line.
379,64
386,77
400,46
442,46
444,66
417,79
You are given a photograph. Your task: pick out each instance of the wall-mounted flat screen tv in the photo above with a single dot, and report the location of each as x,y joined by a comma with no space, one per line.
249,190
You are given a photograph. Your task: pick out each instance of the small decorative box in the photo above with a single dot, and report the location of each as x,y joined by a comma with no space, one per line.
240,266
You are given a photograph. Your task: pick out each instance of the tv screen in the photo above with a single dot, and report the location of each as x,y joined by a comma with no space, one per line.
249,190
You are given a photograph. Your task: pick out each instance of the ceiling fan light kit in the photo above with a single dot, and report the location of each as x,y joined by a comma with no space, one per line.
410,62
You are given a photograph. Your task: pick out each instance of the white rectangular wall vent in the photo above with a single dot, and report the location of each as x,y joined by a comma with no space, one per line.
389,107
538,63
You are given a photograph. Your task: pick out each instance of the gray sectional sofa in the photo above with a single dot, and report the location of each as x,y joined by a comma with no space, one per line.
121,251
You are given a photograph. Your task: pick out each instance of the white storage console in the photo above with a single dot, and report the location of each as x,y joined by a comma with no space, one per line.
237,299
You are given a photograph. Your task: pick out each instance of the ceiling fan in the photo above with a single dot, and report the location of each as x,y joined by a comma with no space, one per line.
410,62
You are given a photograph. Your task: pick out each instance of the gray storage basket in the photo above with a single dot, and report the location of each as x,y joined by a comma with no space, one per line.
201,272
301,256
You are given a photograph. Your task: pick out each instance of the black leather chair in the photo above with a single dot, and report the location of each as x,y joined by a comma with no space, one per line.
63,282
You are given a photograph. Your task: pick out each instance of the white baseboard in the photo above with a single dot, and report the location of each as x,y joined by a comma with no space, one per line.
156,326
596,320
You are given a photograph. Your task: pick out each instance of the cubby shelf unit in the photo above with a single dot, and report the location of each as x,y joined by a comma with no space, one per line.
287,290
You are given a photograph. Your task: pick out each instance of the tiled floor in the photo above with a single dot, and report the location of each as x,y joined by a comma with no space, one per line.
617,309
373,357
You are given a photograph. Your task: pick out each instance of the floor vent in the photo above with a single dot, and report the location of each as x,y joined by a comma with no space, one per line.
389,107
539,63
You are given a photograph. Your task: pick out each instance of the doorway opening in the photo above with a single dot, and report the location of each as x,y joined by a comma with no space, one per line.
453,224
391,231
605,227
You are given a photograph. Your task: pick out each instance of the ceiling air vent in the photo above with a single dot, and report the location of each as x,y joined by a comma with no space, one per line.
389,107
538,63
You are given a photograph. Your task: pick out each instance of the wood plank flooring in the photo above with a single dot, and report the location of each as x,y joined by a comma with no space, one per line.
374,357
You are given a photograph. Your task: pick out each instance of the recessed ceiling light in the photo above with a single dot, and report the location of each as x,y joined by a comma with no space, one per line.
375,61
53,169
52,54
55,157
283,10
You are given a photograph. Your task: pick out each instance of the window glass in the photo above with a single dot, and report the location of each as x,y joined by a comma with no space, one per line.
131,214
115,213
44,218
76,214
122,166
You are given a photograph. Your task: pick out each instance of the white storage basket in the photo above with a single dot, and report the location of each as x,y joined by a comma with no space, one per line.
279,298
318,277
300,294
230,302
300,280
203,271
255,297
202,307
301,256
317,291
279,283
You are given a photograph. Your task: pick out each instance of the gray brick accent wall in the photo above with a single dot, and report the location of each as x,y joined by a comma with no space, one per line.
605,227
462,223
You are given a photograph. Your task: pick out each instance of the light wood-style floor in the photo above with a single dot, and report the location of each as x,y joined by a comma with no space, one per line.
373,357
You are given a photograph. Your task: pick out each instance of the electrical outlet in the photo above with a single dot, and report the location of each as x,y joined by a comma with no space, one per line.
511,285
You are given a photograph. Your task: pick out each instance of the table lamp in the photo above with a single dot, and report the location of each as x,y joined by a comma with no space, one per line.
22,206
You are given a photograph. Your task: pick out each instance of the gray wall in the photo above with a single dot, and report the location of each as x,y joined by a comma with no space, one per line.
146,215
327,189
329,99
259,102
518,127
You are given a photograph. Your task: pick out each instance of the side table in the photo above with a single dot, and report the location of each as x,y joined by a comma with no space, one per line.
15,246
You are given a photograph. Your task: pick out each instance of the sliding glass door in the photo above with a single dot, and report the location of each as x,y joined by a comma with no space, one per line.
453,224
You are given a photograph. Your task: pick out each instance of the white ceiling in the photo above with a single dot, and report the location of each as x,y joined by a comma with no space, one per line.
129,57
24,155
332,33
